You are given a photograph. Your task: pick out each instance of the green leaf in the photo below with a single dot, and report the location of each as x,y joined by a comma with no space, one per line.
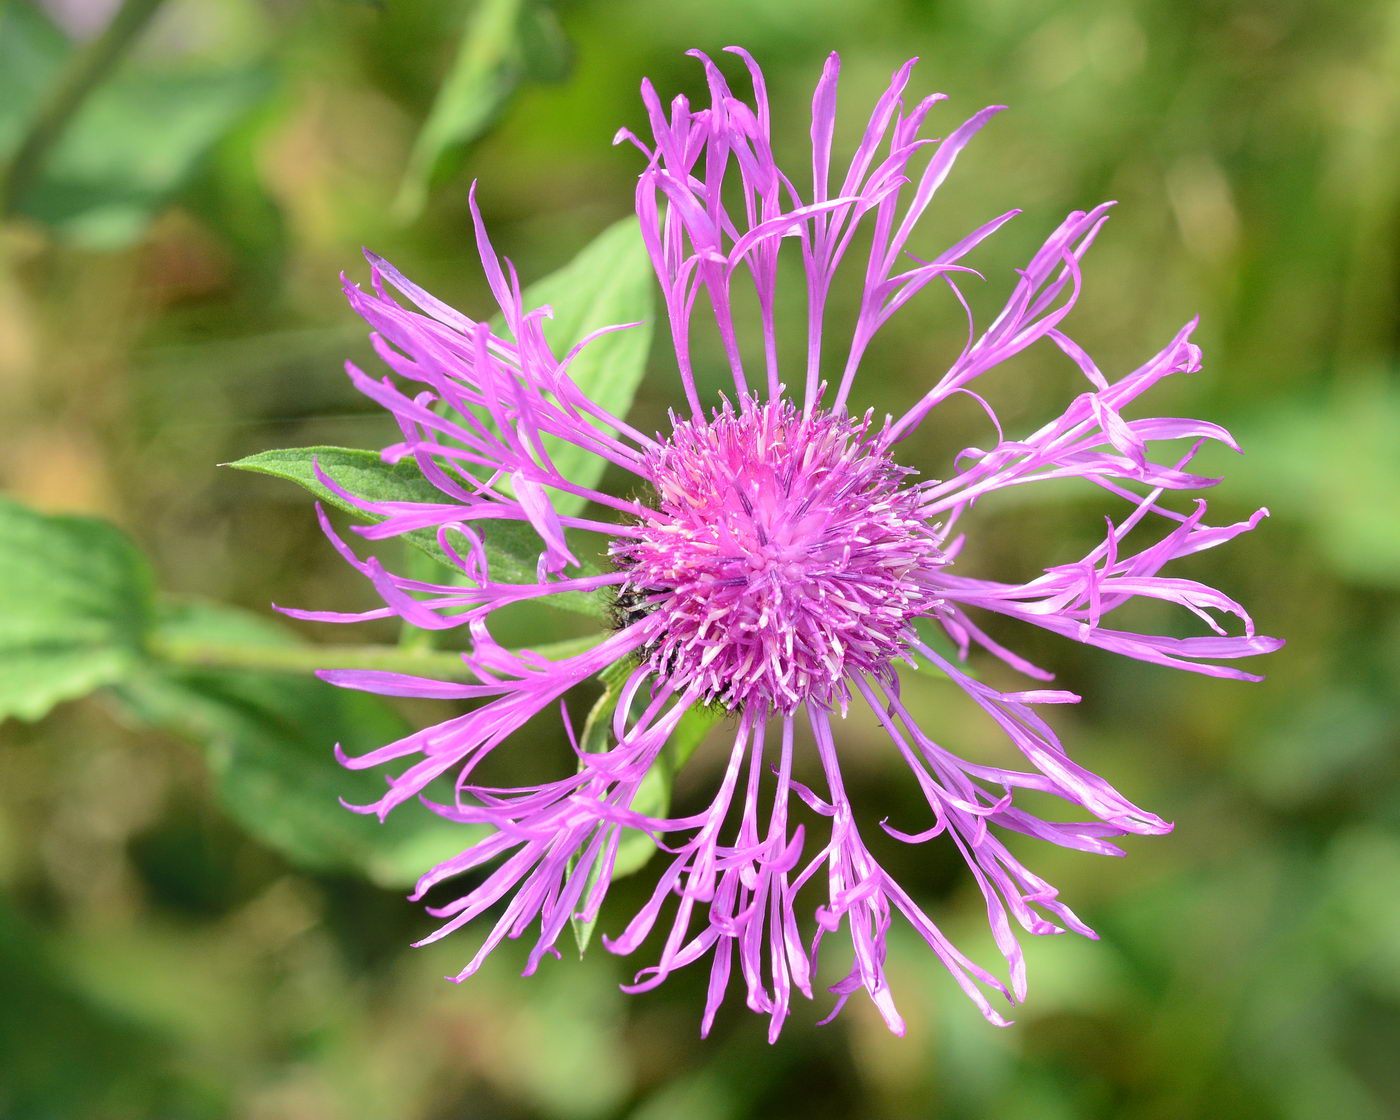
361,472
654,795
506,42
609,282
512,548
653,798
268,737
75,604
596,735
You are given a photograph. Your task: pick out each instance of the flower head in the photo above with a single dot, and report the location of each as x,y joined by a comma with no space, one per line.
788,555
773,564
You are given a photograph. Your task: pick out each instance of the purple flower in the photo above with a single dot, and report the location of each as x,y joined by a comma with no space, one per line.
773,564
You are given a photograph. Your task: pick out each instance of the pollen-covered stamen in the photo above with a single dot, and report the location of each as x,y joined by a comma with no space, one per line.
787,553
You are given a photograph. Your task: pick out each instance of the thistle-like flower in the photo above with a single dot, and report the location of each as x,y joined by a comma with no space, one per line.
772,565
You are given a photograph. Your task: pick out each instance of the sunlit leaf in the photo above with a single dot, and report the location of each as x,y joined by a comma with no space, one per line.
610,282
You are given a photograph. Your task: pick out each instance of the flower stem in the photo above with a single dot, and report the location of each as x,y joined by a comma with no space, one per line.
417,565
439,664
83,74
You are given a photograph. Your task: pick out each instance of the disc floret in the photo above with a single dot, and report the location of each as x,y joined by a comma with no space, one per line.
786,553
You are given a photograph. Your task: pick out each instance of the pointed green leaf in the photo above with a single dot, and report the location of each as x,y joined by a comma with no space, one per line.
363,473
512,548
610,282
75,603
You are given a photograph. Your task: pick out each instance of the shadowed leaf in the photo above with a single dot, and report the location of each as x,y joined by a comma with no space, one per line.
634,848
268,739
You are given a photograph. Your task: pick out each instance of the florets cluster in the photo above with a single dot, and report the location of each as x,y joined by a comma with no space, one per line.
787,552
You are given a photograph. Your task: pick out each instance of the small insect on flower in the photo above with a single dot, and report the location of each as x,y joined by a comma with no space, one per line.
773,565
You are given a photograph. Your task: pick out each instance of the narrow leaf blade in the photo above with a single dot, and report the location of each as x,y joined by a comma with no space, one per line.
506,42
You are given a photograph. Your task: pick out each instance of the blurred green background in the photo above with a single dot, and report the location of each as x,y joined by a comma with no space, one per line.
188,928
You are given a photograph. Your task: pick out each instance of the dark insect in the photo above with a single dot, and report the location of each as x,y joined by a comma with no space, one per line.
632,604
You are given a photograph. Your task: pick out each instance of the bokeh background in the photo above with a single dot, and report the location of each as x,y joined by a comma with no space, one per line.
176,944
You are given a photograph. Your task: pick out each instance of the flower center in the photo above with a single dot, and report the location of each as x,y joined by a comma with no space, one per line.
786,554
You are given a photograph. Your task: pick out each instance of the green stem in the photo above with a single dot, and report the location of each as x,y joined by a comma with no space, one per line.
417,564
84,73
439,664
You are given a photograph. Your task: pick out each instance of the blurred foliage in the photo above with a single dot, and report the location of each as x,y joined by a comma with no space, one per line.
198,932
75,601
506,41
265,737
